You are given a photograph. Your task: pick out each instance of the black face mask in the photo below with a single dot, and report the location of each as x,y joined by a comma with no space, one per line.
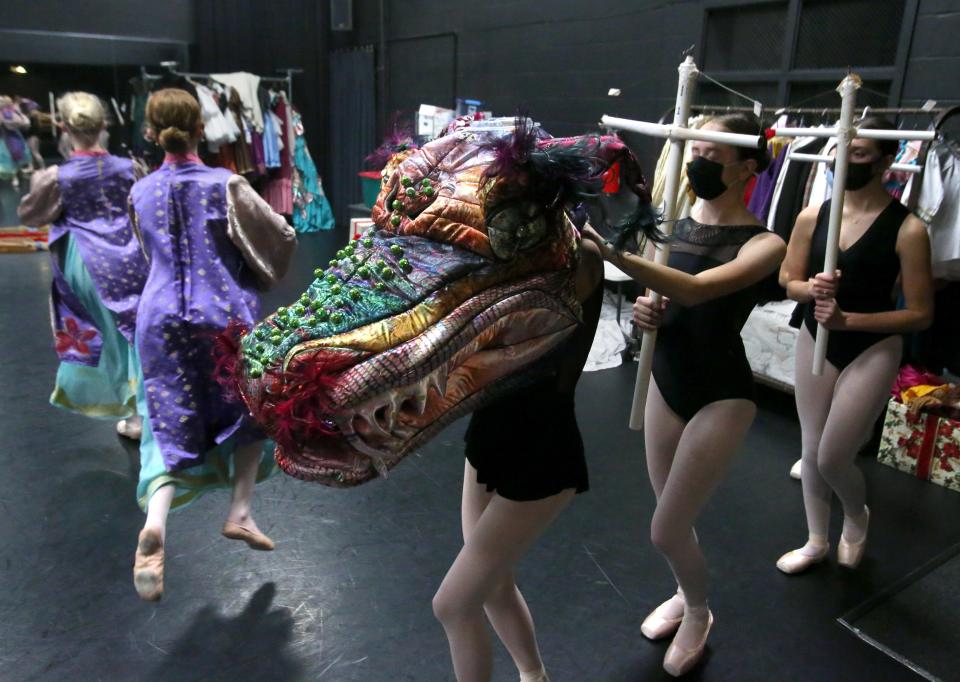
859,175
706,178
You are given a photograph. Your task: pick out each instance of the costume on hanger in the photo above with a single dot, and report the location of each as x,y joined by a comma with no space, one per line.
279,188
311,210
246,85
211,243
789,193
242,155
98,274
938,205
216,128
870,268
272,142
896,182
762,196
688,376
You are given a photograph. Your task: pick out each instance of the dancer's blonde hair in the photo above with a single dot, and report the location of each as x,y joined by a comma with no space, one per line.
83,115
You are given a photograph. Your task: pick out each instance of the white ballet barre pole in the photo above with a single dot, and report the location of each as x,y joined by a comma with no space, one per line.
823,158
848,97
681,114
812,158
865,133
675,132
880,134
906,168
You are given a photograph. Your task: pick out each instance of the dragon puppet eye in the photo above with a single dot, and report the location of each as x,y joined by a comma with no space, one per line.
514,228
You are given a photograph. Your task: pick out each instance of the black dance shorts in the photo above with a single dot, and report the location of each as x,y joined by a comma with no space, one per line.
527,445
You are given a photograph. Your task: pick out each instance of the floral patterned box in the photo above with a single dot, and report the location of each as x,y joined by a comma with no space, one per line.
924,445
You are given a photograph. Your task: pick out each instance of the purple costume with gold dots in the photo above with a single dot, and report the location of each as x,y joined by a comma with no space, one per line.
198,284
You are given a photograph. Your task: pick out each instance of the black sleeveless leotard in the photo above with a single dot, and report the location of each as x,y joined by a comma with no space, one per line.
869,269
699,356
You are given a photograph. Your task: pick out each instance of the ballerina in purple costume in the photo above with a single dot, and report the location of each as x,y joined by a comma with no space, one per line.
211,243
98,269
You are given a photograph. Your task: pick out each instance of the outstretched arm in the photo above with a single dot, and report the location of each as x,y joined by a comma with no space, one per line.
757,258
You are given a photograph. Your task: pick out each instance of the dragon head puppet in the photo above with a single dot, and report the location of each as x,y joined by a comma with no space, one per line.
461,289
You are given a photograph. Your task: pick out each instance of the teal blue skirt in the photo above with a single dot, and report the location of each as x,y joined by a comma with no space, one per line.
216,471
114,390
109,390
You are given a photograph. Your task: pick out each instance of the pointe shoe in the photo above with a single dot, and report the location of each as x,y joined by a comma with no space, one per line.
131,428
795,470
797,562
680,661
148,565
849,554
535,676
657,625
254,539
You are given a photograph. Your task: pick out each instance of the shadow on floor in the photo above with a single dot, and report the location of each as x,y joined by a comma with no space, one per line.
251,645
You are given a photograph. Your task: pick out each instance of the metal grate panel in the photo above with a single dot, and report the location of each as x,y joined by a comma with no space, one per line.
848,33
745,38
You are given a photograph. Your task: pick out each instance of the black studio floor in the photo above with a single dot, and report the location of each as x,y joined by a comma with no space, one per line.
346,595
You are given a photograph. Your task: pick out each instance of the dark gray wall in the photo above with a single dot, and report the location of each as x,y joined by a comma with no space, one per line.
559,58
170,19
95,31
933,69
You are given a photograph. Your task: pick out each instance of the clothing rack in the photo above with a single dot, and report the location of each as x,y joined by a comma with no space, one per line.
820,110
805,111
171,69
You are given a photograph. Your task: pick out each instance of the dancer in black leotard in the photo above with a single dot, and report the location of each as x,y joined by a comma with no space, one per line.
879,241
700,403
870,268
689,378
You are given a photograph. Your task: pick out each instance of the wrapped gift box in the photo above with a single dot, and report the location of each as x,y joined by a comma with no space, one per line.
923,445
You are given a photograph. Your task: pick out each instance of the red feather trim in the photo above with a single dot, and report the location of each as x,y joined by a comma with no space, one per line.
227,368
303,411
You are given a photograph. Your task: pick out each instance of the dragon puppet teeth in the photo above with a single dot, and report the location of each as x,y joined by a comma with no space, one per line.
382,413
438,379
419,396
369,414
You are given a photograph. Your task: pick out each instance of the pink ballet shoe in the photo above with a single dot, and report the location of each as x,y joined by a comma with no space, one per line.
849,554
148,565
680,661
657,625
796,469
254,539
535,676
797,561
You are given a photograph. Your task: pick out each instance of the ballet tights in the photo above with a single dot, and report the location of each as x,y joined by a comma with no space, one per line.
686,461
497,532
837,411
